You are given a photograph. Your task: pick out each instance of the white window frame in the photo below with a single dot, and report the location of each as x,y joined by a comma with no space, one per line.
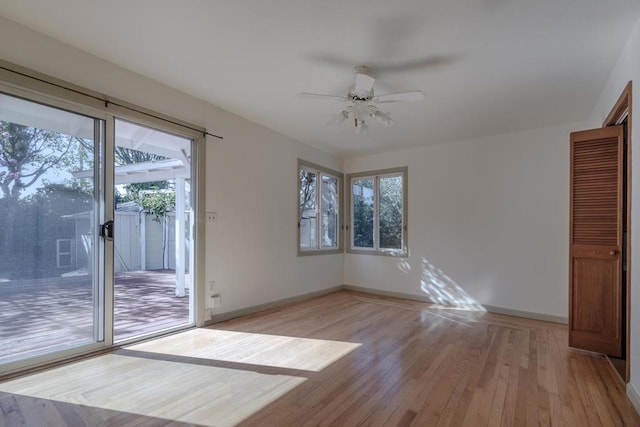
376,175
320,171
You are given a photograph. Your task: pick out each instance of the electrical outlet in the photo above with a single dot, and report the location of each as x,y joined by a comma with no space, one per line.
212,286
212,216
216,300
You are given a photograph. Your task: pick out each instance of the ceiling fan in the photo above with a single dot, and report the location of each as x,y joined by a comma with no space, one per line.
363,102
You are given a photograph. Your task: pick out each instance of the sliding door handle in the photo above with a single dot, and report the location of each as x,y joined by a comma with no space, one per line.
106,230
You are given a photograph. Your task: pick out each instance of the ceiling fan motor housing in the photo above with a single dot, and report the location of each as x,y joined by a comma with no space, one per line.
354,95
362,69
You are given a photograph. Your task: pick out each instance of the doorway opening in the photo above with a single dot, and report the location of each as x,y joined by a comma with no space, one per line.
600,231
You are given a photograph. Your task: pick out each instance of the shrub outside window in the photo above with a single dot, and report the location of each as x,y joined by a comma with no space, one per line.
378,212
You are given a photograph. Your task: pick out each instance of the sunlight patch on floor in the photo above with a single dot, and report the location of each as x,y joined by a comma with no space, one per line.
182,392
250,348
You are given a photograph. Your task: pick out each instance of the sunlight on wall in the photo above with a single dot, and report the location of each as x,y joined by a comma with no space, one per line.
183,392
443,290
250,348
404,266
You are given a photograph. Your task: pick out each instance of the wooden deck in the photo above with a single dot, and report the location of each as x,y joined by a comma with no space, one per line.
40,316
145,301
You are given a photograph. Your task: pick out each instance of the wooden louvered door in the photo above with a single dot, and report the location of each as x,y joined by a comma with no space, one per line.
596,232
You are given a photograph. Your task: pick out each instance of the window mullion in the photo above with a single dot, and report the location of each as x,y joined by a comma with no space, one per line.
350,232
376,213
318,210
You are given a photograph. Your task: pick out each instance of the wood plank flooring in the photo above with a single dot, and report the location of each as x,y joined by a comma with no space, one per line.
344,359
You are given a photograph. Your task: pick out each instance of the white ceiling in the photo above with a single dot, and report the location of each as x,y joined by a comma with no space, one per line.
504,65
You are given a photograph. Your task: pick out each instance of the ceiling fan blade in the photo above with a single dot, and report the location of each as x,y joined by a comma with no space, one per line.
430,61
400,97
364,84
320,96
330,60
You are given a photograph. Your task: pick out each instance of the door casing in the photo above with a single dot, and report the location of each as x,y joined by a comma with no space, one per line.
621,111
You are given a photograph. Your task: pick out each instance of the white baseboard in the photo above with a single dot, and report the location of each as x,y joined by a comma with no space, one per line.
527,314
216,318
489,308
634,396
386,293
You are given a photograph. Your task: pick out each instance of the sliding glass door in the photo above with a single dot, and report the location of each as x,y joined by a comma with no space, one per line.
51,287
97,227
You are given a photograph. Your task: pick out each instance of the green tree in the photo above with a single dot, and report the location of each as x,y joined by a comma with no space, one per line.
158,203
27,156
390,202
156,198
307,195
128,156
27,153
363,213
390,209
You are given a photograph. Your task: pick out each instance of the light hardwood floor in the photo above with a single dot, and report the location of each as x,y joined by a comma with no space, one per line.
343,359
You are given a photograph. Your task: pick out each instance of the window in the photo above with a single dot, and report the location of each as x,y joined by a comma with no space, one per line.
378,212
64,253
319,204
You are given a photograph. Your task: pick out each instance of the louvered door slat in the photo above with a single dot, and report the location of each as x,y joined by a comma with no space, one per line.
595,174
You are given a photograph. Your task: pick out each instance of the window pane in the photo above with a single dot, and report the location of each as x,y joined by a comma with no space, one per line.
391,212
308,210
47,292
152,238
329,212
363,201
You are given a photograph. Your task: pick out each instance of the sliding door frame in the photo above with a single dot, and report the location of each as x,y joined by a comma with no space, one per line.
37,87
197,194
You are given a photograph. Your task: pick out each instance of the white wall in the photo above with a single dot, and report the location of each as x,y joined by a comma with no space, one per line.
250,177
488,219
626,69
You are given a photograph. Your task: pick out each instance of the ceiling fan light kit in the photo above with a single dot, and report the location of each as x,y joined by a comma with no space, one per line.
363,102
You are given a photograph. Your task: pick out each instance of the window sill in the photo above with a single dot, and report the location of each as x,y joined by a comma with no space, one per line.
319,252
389,253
